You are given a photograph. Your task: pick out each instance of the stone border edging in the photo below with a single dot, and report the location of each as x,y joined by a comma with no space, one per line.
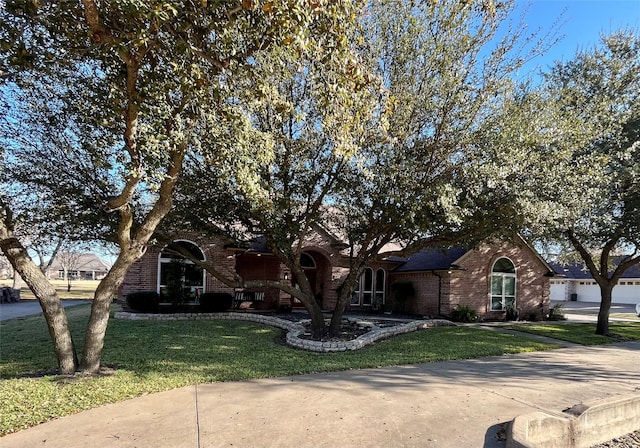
295,329
585,424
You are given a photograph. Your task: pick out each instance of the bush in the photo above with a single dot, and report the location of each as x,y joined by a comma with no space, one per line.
463,313
143,301
557,312
215,302
512,313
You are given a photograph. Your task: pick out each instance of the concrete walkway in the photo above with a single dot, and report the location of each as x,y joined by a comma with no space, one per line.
448,404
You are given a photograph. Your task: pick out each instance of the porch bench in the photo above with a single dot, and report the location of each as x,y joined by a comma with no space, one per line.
247,296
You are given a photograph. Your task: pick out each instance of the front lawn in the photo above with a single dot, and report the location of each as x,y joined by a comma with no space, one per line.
80,289
583,333
146,357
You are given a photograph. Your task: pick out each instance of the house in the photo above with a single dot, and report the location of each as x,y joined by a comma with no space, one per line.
79,266
575,282
489,279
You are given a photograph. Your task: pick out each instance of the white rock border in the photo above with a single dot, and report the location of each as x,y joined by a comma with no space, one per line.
295,329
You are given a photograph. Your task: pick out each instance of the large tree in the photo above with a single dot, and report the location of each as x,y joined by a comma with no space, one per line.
601,191
127,86
569,164
389,164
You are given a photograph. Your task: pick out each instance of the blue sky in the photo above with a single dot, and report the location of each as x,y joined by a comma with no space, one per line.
581,22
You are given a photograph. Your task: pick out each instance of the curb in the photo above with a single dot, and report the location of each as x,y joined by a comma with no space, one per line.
585,424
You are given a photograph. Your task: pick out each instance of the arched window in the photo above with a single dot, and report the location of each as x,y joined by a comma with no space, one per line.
503,285
369,286
307,261
180,279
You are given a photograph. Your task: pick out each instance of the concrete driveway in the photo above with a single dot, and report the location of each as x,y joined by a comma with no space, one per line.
588,311
29,308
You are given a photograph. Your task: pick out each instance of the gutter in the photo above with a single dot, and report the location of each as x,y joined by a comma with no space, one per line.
434,272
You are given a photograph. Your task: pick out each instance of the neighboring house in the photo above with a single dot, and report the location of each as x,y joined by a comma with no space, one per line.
575,282
80,266
430,283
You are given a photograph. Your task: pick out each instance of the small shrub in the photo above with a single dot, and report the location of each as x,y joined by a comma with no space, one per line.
557,312
143,301
463,313
512,313
215,302
376,305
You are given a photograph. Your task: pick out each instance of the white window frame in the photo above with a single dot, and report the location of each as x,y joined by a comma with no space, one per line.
503,296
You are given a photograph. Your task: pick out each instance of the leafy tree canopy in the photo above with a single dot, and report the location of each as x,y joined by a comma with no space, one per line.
390,161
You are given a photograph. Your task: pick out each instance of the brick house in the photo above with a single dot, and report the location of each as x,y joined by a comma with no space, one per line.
431,282
79,266
487,279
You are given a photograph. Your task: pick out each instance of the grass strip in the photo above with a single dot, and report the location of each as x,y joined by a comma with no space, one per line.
583,333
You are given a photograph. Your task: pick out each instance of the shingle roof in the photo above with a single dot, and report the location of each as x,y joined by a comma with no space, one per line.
579,270
432,259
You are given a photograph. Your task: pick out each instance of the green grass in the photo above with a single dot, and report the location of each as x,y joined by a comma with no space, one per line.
583,333
80,289
149,357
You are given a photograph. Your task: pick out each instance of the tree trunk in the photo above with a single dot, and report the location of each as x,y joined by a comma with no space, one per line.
338,312
343,301
46,294
602,328
97,326
318,326
17,280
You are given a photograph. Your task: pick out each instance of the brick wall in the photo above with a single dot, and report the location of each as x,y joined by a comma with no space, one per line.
471,286
426,286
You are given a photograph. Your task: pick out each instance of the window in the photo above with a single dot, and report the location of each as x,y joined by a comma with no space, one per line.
369,286
179,279
307,261
380,289
503,285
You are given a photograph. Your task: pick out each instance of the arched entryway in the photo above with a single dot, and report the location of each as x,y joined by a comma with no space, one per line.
317,269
